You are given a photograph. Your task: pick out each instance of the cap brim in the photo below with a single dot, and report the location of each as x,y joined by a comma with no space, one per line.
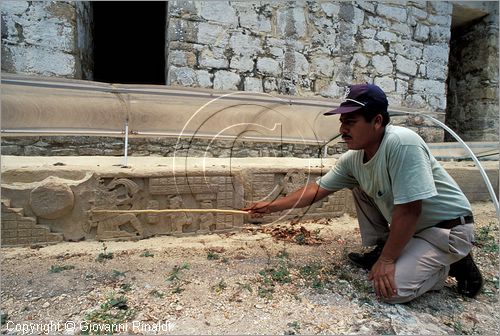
343,109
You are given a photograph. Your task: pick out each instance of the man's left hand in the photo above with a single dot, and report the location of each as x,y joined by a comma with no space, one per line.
382,275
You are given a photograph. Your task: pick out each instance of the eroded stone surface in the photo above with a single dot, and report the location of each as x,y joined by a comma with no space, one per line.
52,200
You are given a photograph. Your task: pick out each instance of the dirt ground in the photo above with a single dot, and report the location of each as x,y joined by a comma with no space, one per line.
278,279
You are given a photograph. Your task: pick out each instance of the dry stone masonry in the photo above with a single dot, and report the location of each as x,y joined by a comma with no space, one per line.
422,53
315,48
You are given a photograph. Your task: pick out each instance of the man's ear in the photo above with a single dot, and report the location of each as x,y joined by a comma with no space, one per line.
378,120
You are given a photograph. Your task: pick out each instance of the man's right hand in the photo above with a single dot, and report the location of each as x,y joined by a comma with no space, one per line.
259,209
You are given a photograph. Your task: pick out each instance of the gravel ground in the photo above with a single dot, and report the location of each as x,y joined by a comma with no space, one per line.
276,279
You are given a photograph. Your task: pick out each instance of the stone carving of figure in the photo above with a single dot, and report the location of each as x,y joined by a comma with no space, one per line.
207,220
179,219
122,194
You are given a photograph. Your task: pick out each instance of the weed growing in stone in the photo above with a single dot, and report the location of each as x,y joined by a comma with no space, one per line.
157,294
112,313
117,274
59,269
486,238
313,275
146,254
295,328
220,286
211,255
174,275
125,287
103,256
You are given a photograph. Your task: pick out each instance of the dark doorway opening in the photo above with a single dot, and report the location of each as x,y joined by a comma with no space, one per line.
129,41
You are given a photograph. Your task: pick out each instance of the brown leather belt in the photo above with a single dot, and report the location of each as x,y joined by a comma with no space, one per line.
451,223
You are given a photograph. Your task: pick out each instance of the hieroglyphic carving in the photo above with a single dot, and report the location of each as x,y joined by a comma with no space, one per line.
203,192
119,194
269,186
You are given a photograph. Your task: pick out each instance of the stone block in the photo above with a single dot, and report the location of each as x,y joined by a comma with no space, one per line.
204,78
421,33
23,233
9,241
9,233
226,80
26,222
439,34
253,84
372,46
387,36
441,20
183,76
386,83
218,11
244,44
8,224
269,66
406,66
212,34
394,13
383,64
331,9
242,63
322,65
8,217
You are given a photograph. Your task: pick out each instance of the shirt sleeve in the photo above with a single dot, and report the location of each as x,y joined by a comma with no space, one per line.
410,171
340,176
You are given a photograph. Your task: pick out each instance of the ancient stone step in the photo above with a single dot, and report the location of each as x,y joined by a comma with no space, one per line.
18,230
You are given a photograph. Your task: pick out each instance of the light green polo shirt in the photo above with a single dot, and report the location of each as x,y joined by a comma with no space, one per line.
403,170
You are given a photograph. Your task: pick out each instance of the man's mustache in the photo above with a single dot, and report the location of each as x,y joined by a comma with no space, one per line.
346,137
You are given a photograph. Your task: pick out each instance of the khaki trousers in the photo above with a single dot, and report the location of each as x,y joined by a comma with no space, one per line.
425,261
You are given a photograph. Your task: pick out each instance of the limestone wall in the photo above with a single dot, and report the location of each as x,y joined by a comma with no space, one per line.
314,48
473,85
47,38
302,48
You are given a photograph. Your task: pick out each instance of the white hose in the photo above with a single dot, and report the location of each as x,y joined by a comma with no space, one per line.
479,166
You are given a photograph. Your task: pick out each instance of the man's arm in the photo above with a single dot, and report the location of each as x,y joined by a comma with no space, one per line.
403,225
305,196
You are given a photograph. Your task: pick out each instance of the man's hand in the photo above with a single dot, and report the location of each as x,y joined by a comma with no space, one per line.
257,210
382,275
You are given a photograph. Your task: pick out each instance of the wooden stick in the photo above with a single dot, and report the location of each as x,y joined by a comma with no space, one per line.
153,211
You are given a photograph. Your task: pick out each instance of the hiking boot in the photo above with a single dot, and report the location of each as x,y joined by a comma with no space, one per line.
469,279
366,260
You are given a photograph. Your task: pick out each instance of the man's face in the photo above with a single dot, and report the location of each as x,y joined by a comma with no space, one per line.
357,132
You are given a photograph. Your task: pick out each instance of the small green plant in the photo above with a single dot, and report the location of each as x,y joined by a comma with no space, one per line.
220,286
245,286
125,287
485,238
117,274
59,269
300,239
283,254
103,256
211,255
157,294
3,318
313,275
295,328
146,254
177,289
112,313
174,275
266,291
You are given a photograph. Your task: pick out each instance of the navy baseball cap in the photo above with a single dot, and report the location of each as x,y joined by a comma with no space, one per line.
362,96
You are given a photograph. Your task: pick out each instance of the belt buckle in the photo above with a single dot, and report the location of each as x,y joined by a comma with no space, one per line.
462,220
